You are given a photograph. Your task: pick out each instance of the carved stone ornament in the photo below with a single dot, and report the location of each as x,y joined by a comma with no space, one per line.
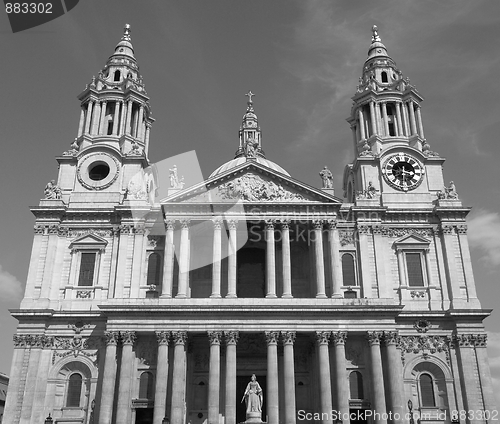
417,294
400,232
128,337
163,337
422,325
27,341
370,192
470,340
425,344
346,237
111,337
231,337
326,177
215,337
448,193
374,337
339,337
272,337
52,191
252,188
288,337
73,150
323,337
391,338
180,337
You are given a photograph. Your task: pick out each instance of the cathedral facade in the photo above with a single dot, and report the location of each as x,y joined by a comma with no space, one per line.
250,296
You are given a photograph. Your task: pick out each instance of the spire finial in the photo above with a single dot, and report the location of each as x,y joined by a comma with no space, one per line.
126,33
375,36
249,95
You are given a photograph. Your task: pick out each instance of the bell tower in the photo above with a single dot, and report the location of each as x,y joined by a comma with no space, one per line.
393,162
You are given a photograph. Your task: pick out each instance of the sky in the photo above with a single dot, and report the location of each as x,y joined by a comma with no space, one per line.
301,58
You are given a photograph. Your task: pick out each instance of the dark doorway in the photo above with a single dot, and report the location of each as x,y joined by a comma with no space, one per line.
251,272
241,385
357,416
144,416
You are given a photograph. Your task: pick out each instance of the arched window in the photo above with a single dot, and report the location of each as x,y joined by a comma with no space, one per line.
348,270
154,267
117,76
146,386
356,385
427,398
74,390
384,76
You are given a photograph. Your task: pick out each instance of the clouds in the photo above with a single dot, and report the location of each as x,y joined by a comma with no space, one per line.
483,234
10,287
494,359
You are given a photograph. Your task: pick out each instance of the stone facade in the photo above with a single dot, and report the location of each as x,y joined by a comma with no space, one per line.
145,310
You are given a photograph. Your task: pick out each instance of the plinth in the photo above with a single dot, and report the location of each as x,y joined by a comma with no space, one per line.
253,418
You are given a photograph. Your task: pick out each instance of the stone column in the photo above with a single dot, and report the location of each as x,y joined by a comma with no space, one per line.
380,125
116,117
319,259
373,118
386,120
467,263
102,123
184,260
216,261
448,237
364,231
128,123
272,377
41,380
428,267
395,376
179,377
406,124
412,118
14,396
361,124
401,268
489,400
123,112
288,338
398,117
168,260
336,270
214,377
88,120
377,375
231,263
135,131
109,378
35,342
81,123
341,387
138,260
146,138
96,117
139,124
325,387
270,260
231,338
163,338
419,121
124,407
287,265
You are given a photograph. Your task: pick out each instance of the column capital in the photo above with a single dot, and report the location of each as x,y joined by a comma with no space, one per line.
374,337
317,224
339,337
162,337
180,337
128,337
332,224
170,224
285,224
185,223
111,337
232,223
272,337
270,224
231,337
391,338
447,228
288,337
363,229
217,223
462,229
323,337
470,340
214,337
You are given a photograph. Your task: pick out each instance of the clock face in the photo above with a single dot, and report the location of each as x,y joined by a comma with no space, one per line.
403,171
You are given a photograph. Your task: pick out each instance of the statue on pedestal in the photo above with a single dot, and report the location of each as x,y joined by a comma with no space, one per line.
52,190
327,177
253,400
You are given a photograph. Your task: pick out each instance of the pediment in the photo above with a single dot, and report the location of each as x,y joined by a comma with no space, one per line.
412,241
88,241
252,182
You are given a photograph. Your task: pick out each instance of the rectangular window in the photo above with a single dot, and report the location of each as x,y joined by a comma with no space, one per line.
414,268
87,267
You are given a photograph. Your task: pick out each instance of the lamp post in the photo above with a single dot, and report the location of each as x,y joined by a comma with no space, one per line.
49,420
165,421
455,419
410,408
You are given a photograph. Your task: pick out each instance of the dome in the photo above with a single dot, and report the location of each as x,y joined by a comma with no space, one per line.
240,160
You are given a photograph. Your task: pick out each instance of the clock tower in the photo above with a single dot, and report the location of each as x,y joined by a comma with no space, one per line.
393,162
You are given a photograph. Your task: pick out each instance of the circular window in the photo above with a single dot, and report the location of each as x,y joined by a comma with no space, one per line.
98,172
